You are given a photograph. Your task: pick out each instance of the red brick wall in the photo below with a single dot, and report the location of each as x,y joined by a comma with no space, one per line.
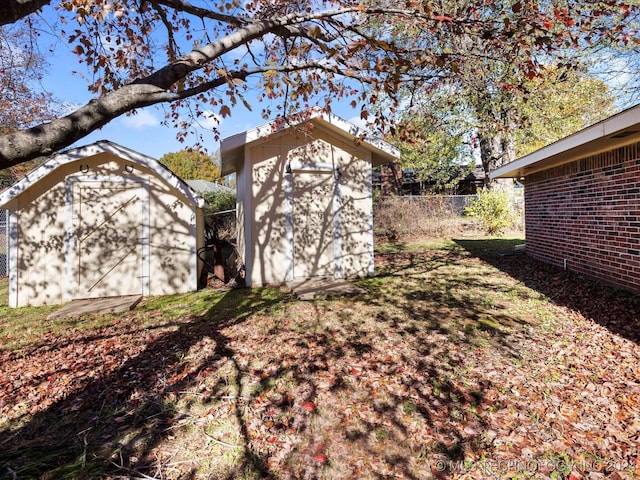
588,213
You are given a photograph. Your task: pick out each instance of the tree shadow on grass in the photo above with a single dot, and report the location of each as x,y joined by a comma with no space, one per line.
384,374
112,425
428,290
617,310
376,385
112,422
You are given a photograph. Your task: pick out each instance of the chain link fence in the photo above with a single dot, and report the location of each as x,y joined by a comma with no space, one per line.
4,243
435,216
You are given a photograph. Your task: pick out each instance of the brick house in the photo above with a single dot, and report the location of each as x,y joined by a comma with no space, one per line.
582,201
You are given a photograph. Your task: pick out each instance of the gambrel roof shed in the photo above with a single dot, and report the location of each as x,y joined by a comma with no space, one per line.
582,200
100,221
304,197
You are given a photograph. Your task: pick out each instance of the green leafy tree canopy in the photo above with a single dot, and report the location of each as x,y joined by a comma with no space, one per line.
563,103
192,165
433,137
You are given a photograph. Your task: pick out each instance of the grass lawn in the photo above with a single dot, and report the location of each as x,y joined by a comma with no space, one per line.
458,362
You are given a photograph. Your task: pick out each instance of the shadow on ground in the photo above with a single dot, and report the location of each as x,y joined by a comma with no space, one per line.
437,289
113,425
261,385
112,420
617,310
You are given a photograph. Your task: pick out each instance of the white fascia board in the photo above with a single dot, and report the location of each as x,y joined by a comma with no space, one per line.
376,145
43,170
555,149
379,151
589,141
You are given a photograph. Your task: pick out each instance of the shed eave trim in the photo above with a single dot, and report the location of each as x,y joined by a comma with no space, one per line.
101,146
232,148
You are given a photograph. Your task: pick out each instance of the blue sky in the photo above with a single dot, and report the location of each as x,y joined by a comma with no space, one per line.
143,131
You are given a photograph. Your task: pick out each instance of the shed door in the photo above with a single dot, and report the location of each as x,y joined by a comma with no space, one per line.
108,231
313,253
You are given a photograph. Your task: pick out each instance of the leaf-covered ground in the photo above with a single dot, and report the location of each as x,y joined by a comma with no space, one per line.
457,363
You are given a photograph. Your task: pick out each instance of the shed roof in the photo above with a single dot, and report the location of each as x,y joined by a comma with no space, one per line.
232,148
102,146
614,132
205,186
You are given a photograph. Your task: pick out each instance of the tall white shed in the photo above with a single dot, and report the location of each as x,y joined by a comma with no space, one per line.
304,197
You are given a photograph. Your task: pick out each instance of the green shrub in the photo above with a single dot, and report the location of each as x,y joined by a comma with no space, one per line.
493,209
220,201
220,225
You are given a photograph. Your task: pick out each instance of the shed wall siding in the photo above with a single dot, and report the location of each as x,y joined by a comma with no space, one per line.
243,218
269,257
172,247
356,212
42,214
588,213
268,250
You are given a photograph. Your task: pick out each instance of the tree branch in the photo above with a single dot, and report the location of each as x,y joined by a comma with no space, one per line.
324,45
13,10
49,137
186,7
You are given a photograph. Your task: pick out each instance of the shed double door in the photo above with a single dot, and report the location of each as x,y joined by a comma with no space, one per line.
108,228
313,224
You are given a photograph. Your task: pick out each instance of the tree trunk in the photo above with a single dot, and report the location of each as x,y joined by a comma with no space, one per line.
491,154
391,181
508,141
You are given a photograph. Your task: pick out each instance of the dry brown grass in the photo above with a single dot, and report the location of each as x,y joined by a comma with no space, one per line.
431,217
397,218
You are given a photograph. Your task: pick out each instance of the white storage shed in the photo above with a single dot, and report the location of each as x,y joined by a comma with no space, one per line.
101,221
304,197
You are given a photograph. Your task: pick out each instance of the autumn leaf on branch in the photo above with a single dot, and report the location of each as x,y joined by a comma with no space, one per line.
302,52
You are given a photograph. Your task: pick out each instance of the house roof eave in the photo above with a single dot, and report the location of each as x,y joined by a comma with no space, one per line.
614,132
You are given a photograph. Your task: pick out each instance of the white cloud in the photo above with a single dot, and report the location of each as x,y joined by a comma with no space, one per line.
209,120
358,122
141,119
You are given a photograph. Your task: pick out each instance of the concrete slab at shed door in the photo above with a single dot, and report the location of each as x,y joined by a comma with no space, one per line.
108,238
313,250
